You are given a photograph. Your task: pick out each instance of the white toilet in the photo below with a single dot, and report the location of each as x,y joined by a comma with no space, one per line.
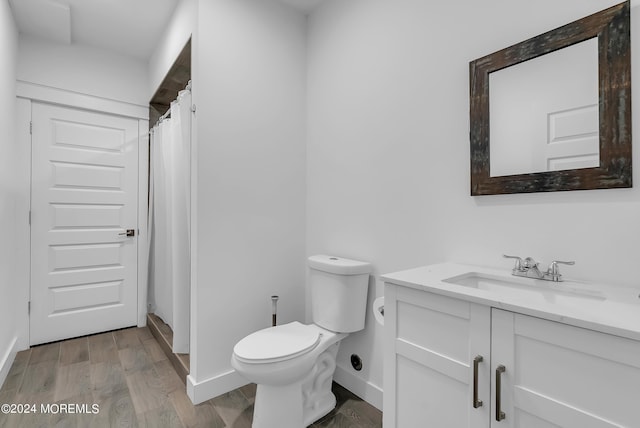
293,363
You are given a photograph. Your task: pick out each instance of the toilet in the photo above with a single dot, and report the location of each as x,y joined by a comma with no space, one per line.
293,364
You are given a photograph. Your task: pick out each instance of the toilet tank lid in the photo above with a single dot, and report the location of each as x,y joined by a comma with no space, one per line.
338,265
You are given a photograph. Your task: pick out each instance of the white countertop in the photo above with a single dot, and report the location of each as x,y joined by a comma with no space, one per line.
609,309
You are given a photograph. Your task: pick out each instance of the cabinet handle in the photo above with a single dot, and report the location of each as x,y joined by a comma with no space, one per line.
477,360
499,413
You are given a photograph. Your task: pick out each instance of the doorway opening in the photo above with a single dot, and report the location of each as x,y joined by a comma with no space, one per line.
174,82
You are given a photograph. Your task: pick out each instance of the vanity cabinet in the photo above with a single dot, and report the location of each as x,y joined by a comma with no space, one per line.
442,360
430,344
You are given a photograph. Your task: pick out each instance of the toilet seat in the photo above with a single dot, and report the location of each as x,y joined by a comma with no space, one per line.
280,343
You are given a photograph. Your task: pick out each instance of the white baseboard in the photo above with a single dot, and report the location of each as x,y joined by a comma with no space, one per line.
7,360
369,392
200,392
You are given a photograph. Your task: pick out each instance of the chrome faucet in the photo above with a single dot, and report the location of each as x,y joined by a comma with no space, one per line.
528,268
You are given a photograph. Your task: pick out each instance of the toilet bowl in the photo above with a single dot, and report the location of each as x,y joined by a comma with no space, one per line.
293,364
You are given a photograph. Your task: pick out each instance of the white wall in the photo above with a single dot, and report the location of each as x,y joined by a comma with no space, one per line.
388,153
83,69
249,88
175,36
11,279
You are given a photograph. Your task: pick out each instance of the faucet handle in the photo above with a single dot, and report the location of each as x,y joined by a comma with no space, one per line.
530,263
519,262
553,270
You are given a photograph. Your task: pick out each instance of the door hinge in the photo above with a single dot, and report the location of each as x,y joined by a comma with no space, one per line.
29,218
29,307
31,127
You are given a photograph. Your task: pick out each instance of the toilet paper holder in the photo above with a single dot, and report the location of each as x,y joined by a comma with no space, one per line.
378,310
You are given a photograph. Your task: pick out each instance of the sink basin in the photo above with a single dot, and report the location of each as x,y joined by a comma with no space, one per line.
533,290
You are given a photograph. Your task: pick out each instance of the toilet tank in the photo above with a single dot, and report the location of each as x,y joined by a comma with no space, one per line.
338,292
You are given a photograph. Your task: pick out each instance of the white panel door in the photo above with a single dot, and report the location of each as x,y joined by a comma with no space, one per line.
573,139
562,376
84,198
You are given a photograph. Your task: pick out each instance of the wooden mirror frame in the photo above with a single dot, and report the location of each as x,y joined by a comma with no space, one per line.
612,28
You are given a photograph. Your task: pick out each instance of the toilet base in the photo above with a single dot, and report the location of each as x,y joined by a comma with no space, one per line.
299,404
318,400
278,406
323,408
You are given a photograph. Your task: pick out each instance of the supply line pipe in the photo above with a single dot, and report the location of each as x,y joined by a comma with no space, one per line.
274,309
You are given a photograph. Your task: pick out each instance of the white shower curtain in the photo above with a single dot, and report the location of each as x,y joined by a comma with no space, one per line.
169,220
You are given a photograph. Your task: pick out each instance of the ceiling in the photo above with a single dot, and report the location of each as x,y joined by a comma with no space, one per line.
304,5
129,27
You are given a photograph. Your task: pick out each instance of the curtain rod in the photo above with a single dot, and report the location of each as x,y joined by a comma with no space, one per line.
164,116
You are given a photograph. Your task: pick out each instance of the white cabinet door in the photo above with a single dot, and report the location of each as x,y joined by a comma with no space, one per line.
84,197
562,376
430,344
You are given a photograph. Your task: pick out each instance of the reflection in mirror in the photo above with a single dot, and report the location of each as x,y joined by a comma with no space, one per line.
544,113
571,127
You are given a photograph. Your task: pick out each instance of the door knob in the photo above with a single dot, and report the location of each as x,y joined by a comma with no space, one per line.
128,232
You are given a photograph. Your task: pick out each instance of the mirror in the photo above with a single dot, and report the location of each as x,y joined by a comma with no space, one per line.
554,112
551,122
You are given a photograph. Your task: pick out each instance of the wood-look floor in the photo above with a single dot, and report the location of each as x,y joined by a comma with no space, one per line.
164,335
128,376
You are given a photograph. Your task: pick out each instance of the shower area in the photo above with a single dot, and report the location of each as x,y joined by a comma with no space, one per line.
169,228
